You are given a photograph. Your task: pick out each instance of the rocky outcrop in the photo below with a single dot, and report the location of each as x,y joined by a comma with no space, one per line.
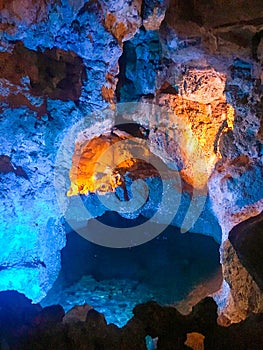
246,239
35,327
244,296
153,13
235,187
241,261
77,313
119,156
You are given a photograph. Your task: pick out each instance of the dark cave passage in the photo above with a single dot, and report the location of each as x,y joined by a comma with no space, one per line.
113,281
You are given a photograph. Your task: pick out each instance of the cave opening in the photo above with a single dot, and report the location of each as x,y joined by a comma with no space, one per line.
172,269
169,267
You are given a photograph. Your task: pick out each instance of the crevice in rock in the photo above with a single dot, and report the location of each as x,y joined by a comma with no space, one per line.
53,73
134,129
90,6
6,166
255,22
138,66
121,76
35,263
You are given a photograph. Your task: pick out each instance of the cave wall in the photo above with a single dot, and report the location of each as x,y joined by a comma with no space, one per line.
50,64
61,60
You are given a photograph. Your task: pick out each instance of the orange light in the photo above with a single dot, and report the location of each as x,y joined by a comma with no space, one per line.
200,141
92,171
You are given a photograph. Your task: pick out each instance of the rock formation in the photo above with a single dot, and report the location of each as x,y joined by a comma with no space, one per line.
27,326
200,62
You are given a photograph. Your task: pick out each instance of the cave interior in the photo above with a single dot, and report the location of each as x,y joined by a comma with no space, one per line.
131,174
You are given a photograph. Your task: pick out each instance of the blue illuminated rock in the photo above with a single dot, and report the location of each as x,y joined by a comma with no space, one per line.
31,233
141,58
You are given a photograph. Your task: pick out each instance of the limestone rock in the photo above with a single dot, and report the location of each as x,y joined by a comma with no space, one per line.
46,43
245,295
241,258
203,86
239,202
123,18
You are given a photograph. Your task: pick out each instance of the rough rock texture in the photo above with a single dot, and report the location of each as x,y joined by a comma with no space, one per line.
122,18
241,260
207,121
30,218
27,11
28,78
153,13
51,52
236,187
63,59
245,296
224,26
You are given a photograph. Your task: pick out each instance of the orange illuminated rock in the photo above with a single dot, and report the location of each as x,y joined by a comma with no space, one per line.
189,136
196,128
195,341
118,29
99,164
84,162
